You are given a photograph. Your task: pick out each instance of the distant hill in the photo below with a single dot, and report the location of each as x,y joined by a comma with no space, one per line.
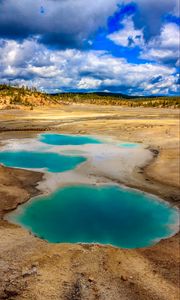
102,98
108,94
102,94
17,97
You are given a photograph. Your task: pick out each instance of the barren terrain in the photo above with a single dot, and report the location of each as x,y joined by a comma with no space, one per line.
31,268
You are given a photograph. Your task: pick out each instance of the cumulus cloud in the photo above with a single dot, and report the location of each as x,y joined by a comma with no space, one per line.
68,23
162,48
49,44
64,23
74,69
128,36
150,13
165,47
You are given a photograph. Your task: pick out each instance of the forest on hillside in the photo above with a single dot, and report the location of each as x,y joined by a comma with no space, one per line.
24,96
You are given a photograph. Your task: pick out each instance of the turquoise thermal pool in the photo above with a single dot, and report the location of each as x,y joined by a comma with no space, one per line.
105,214
65,139
51,162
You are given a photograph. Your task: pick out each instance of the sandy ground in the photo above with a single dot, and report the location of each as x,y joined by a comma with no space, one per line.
31,268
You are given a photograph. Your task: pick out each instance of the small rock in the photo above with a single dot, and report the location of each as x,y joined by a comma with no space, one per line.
10,292
91,279
27,272
124,278
35,264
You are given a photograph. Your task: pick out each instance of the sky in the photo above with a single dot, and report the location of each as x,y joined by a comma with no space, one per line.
129,47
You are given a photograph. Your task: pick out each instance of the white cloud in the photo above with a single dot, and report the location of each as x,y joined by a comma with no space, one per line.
165,47
65,23
128,36
44,71
89,83
81,70
162,48
151,13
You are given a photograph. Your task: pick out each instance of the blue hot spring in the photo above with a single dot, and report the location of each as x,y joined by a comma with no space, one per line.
52,162
66,139
112,215
106,215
